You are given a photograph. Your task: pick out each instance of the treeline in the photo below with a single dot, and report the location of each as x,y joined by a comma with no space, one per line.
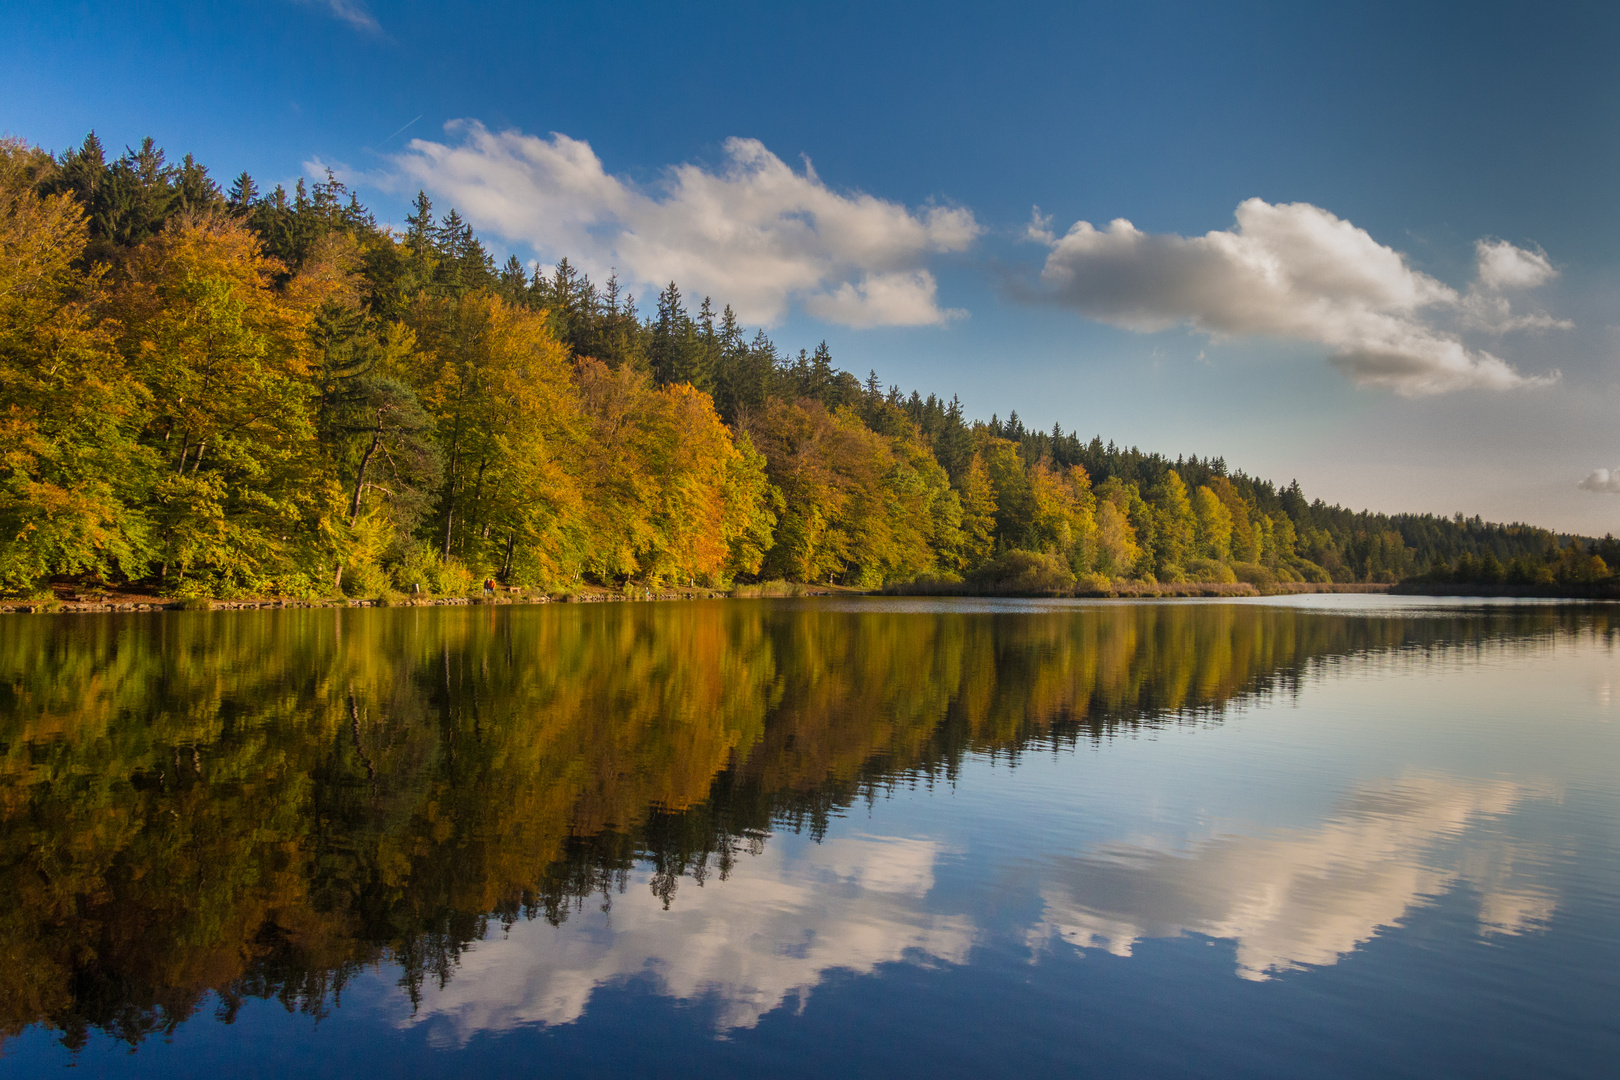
227,392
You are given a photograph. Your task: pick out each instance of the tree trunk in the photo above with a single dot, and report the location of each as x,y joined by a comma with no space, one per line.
478,498
360,476
450,488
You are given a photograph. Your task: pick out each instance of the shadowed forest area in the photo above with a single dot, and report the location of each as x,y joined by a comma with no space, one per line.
227,393
200,807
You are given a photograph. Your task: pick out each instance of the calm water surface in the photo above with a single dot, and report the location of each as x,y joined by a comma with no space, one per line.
1342,836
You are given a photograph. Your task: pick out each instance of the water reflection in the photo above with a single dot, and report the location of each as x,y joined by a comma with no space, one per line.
200,808
1297,897
746,946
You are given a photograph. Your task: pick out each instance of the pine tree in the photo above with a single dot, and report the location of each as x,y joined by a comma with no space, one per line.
514,282
243,194
419,228
670,335
821,381
193,189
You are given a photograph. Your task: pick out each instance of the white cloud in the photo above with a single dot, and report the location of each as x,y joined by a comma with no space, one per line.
1482,310
1302,897
753,233
353,12
767,934
1603,480
1503,266
1295,271
1039,229
898,299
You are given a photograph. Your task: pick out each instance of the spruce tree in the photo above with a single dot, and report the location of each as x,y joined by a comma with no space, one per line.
244,193
670,337
418,228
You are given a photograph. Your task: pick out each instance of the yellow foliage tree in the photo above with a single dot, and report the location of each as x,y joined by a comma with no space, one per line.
501,390
1212,525
978,530
71,471
858,507
243,501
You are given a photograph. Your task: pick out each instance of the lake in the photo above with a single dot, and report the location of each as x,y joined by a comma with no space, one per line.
1337,836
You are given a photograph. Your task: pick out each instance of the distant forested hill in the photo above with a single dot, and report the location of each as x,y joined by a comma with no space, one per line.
226,392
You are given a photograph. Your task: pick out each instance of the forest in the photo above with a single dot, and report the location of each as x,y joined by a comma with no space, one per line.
224,392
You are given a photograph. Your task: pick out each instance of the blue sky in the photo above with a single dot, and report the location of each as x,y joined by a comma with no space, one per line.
1302,289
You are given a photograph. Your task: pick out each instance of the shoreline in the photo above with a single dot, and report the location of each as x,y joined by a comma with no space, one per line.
1121,591
1535,592
127,604
1134,590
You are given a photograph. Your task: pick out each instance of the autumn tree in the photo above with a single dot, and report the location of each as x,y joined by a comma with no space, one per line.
243,500
978,500
501,393
1212,526
854,510
671,493
72,475
1175,526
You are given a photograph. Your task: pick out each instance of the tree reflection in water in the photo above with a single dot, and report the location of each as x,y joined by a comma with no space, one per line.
262,804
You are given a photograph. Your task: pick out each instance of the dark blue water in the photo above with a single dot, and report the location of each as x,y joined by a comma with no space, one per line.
1344,837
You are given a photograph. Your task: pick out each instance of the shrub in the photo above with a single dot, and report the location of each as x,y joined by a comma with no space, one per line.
421,565
1210,572
777,587
365,579
454,578
1023,573
946,584
1094,583
1254,574
1309,571
417,567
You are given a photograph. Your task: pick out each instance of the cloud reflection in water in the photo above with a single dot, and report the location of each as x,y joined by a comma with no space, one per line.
1298,897
1289,898
766,934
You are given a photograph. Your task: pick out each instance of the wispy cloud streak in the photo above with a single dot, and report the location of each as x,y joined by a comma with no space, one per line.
353,12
